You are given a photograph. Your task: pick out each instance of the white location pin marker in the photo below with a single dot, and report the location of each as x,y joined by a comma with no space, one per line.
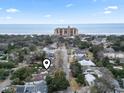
46,63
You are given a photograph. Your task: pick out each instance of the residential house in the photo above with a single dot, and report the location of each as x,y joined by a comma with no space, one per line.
110,53
113,55
32,87
90,79
119,90
86,63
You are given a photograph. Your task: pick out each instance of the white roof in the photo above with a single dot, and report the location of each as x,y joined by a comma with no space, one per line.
47,50
118,67
86,63
80,55
54,45
89,78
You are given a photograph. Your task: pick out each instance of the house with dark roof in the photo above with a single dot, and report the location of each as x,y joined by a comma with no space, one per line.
20,89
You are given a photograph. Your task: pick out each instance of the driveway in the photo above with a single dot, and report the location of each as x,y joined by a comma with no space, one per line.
4,84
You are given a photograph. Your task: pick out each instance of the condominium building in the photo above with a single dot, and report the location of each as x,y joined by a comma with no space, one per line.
67,32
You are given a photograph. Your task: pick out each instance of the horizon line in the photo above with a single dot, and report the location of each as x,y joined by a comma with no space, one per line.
55,24
107,34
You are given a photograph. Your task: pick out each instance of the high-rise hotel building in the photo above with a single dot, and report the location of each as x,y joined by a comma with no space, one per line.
67,32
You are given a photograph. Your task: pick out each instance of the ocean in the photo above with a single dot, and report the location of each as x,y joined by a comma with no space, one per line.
94,29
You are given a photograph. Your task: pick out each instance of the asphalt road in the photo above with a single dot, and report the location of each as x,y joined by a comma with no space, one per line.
66,64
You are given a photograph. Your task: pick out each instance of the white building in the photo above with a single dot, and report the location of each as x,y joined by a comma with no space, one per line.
47,50
86,63
90,79
114,55
93,72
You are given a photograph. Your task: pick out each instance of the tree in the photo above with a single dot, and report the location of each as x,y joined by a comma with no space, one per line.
20,75
20,56
80,79
17,81
32,47
48,40
118,43
76,69
40,56
61,40
83,45
10,90
77,73
118,61
7,65
105,62
57,83
3,74
95,50
77,40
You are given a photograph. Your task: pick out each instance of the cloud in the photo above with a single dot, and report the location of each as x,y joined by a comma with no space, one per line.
6,18
107,12
69,5
12,10
111,8
47,16
61,20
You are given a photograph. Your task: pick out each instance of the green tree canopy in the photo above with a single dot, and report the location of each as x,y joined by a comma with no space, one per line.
21,74
57,83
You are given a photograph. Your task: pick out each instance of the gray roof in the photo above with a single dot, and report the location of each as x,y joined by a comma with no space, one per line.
33,88
30,89
122,60
42,87
78,51
109,50
20,89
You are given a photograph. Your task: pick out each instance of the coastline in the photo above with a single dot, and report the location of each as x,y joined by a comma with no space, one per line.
48,29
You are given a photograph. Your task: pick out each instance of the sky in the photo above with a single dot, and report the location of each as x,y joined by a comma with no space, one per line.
61,11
